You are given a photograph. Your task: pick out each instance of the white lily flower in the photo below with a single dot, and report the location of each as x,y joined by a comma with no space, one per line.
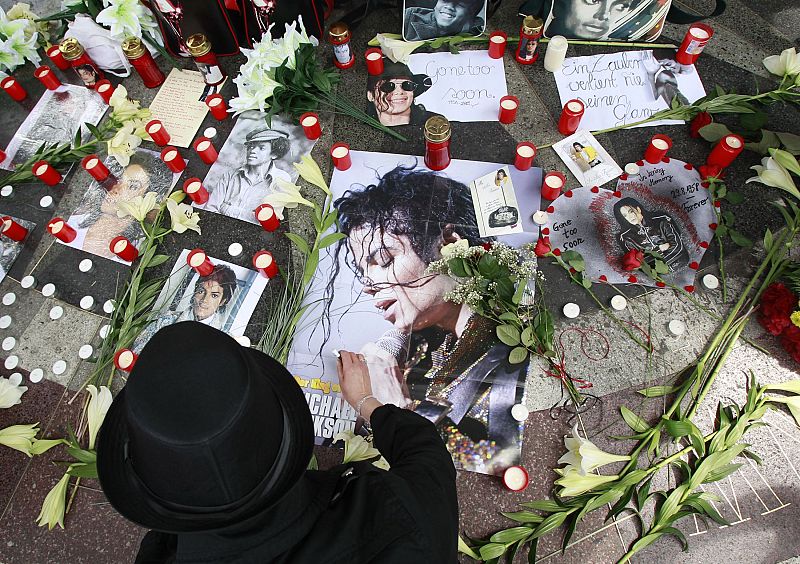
122,18
584,456
455,250
22,11
9,58
310,172
124,144
124,109
10,393
788,386
96,410
9,25
771,173
786,160
785,64
138,207
19,437
183,217
54,505
573,483
357,448
287,197
39,446
395,48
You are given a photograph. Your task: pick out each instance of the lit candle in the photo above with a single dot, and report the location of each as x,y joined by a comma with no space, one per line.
205,148
311,126
556,53
497,44
47,77
265,214
216,104
196,191
570,117
198,260
123,248
265,264
340,153
13,88
13,230
726,150
515,478
657,149
526,152
94,166
155,129
693,43
540,217
57,57
173,159
374,59
552,185
105,89
508,109
125,359
46,173
61,230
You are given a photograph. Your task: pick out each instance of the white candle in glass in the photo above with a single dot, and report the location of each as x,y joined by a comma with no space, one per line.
556,53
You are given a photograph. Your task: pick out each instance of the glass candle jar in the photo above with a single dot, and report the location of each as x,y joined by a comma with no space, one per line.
204,58
437,143
339,37
143,62
529,35
89,73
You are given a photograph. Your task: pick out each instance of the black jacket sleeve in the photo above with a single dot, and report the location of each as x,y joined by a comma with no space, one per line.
157,548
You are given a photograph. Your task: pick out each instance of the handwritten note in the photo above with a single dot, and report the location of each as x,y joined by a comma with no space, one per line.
623,88
466,86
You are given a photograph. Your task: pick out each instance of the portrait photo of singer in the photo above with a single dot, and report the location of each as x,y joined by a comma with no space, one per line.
427,19
606,19
392,95
650,231
662,71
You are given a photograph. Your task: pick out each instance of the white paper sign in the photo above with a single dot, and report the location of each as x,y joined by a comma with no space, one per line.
586,159
496,204
466,86
623,88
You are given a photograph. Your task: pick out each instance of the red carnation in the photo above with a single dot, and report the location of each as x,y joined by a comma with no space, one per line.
486,246
700,120
542,247
777,304
632,259
790,339
710,171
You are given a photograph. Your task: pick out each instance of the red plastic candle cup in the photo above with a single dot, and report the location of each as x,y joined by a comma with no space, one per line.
123,248
155,129
94,166
552,185
570,117
13,230
726,150
13,88
265,264
105,89
3,155
205,148
46,173
216,104
497,44
508,109
57,57
173,159
47,77
61,230
515,478
374,58
198,260
657,148
311,126
265,214
340,153
196,191
526,152
125,359
693,43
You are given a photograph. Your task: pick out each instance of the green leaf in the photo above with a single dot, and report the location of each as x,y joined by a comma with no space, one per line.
532,551
678,534
508,536
488,266
528,337
329,220
641,495
94,131
517,355
622,502
634,421
81,455
158,259
508,316
707,509
671,504
551,522
81,470
768,141
713,132
677,428
492,550
721,473
508,334
299,242
754,121
311,266
543,505
645,541
466,549
330,239
734,198
523,516
657,391
790,142
739,239
457,267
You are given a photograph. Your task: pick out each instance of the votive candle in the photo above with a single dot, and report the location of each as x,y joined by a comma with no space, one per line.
45,172
123,248
105,89
265,214
196,191
552,185
173,159
47,77
265,264
61,230
94,166
526,152
556,53
57,57
657,148
340,153
155,129
125,359
198,260
311,125
374,58
508,109
13,230
695,40
216,104
570,117
205,148
516,478
13,88
726,150
497,44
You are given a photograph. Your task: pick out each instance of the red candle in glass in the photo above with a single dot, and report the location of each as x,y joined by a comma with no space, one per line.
516,478
141,59
196,191
3,155
61,230
340,153
86,69
105,89
205,148
198,260
94,166
216,104
437,143
47,77
125,359
726,150
13,230
552,185
46,173
265,214
13,88
374,58
173,159
57,57
497,44
155,129
508,109
311,126
265,264
123,248
693,43
570,117
526,152
657,148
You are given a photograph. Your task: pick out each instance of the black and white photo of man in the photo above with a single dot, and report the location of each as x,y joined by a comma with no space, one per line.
662,70
427,19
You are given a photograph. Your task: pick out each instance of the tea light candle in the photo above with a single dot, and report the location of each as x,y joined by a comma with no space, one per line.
13,88
125,359
676,327
570,117
196,191
216,104
87,302
631,169
508,109
526,152
540,217
265,264
94,166
47,77
155,129
311,126
710,281
61,230
657,149
49,290
693,43
13,230
105,89
46,201
619,302
198,260
123,248
515,478
340,153
205,148
519,412
6,190
55,55
552,184
265,214
571,310
173,159
726,150
374,58
497,44
556,53
46,173
85,265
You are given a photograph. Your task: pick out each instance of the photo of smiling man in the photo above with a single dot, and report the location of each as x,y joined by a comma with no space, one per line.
391,95
605,19
428,19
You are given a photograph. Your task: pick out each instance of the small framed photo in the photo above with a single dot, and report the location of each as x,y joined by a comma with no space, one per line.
429,19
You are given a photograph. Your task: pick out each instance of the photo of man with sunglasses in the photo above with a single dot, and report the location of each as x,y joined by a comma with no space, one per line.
391,95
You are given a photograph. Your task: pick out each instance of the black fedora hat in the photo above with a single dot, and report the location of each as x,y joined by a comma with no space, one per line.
392,70
205,434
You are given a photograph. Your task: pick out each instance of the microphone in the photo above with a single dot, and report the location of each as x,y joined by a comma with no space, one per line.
396,343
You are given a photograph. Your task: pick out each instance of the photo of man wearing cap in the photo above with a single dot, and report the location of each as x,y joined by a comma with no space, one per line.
426,19
391,95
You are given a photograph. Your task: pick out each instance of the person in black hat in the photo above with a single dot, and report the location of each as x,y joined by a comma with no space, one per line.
208,445
392,94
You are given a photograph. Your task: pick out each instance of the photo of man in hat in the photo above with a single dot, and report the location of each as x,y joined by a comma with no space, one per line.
427,20
391,95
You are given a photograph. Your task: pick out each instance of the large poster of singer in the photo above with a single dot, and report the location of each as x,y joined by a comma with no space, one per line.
253,159
424,353
627,20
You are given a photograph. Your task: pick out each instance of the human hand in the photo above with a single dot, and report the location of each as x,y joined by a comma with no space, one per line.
354,382
385,376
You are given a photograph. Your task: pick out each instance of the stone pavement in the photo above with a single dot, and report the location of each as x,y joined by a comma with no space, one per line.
762,503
